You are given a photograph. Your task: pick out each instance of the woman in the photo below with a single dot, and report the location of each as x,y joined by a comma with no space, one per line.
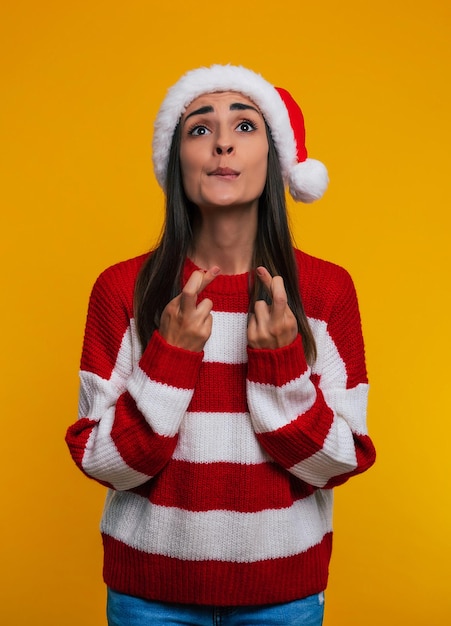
223,381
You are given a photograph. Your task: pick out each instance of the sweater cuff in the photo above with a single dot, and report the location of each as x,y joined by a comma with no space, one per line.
276,367
170,365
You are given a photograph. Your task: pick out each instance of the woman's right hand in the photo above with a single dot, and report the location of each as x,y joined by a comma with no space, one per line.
184,323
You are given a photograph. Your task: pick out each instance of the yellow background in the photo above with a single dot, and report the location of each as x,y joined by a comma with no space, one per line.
81,83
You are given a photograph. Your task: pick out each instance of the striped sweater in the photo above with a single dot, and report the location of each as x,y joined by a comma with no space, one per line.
220,464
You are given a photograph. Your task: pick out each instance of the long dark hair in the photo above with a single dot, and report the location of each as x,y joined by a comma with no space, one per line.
160,277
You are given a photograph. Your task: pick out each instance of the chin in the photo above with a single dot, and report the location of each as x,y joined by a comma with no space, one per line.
227,203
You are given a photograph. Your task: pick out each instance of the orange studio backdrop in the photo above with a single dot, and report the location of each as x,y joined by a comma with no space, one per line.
81,84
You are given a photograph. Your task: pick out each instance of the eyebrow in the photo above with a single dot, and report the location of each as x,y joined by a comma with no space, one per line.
235,106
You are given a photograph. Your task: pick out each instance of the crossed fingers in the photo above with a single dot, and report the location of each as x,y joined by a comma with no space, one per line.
185,323
194,286
272,326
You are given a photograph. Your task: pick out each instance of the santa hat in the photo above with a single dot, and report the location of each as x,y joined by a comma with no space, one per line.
306,178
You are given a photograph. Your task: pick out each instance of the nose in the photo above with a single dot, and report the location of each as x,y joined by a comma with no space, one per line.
224,149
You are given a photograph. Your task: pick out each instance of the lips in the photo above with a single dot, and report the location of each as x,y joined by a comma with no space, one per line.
224,172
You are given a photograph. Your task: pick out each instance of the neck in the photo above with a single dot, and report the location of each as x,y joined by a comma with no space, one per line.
226,239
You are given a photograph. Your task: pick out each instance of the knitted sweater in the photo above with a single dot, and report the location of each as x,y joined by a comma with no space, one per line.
220,464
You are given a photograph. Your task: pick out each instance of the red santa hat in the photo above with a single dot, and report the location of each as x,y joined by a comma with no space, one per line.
306,178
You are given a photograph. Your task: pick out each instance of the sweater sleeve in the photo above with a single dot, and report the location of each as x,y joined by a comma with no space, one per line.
130,406
312,421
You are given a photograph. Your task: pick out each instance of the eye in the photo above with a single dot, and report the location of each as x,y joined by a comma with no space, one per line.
198,131
246,127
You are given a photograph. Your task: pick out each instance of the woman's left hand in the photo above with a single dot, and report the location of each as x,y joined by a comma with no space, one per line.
272,326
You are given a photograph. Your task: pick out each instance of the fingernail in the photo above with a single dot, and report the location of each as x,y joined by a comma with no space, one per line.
215,270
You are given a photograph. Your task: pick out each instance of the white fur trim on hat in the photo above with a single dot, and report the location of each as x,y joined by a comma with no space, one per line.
308,180
236,78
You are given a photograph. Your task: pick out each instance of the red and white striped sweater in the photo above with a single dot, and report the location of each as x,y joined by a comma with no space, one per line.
220,464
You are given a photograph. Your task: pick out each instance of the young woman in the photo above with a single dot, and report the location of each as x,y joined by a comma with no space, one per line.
223,381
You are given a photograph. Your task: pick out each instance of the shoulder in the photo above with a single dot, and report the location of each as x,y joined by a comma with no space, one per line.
330,302
116,284
124,270
324,285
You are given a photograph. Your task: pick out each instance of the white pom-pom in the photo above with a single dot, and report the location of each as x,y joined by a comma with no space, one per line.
307,181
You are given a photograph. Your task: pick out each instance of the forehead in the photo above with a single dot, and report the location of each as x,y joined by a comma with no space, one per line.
220,99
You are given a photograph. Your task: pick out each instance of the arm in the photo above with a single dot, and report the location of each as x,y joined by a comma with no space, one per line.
130,408
313,421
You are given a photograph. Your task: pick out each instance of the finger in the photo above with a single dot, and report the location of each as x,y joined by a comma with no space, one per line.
199,280
279,297
265,278
208,277
261,312
204,308
194,286
276,290
251,328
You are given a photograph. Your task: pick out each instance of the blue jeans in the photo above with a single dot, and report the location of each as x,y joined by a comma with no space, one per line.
124,610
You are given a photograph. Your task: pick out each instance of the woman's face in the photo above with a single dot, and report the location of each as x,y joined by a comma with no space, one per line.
224,151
